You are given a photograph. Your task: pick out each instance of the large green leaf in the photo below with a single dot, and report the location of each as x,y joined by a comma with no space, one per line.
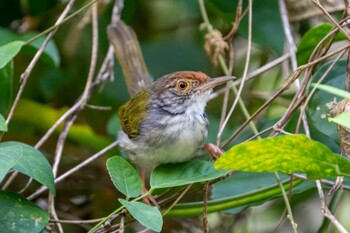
148,216
267,29
6,74
124,176
321,101
287,154
172,175
9,51
251,189
3,125
18,215
29,161
310,40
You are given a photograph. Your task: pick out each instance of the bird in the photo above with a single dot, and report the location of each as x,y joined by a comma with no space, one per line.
166,122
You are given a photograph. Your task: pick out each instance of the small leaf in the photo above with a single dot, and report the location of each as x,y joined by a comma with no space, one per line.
3,126
310,40
148,216
124,176
30,161
342,119
9,51
18,215
287,154
172,175
332,90
6,75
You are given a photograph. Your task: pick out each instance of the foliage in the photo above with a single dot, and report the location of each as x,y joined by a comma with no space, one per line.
60,86
287,154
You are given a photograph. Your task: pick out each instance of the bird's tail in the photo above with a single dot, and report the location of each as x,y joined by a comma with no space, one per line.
128,52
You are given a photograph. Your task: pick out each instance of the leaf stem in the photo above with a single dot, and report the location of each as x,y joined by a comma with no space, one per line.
60,23
286,201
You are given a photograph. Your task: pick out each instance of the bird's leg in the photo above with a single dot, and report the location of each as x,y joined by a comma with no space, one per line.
149,200
214,150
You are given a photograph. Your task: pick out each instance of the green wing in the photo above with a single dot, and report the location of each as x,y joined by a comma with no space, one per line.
132,113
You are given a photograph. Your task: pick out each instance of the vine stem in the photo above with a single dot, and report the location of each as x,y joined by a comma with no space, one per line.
286,201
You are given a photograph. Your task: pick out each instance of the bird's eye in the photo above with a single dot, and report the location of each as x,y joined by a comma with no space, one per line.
182,85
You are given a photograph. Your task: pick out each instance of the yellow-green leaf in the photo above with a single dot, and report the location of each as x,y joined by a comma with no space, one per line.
287,154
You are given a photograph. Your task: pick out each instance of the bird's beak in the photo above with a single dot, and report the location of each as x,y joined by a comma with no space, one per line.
213,82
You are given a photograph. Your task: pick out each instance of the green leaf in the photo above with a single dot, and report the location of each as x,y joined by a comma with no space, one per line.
252,189
30,161
9,51
287,154
267,29
124,176
18,215
310,40
342,119
148,216
50,55
321,101
9,157
332,90
6,75
3,126
172,175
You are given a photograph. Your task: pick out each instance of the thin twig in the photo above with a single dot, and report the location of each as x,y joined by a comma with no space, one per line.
286,85
254,74
52,211
177,199
245,72
319,5
74,169
292,51
78,222
326,212
205,207
324,75
28,70
70,120
323,181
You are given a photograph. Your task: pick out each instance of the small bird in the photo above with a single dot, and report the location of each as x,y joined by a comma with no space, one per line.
166,122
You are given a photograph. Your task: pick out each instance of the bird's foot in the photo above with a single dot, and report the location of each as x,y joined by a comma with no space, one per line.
214,150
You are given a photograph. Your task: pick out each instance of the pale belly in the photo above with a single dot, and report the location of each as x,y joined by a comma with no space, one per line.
179,142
